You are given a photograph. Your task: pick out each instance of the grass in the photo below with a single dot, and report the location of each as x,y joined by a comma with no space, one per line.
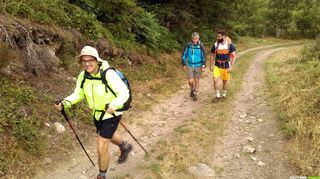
293,79
19,127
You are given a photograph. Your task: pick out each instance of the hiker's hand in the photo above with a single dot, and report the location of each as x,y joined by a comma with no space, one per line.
59,106
230,69
185,68
203,68
110,110
211,69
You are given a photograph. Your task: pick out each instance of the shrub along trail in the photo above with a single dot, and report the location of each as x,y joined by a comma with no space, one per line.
251,117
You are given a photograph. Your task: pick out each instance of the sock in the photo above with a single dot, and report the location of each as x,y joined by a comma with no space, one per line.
218,93
224,92
103,173
123,145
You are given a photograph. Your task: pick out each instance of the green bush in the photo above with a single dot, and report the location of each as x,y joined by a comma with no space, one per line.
18,121
57,12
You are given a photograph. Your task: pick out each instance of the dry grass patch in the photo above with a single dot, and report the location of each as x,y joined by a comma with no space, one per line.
293,79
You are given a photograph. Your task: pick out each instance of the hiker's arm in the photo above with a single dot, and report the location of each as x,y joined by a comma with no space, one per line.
184,56
203,56
77,95
233,54
233,59
212,61
119,88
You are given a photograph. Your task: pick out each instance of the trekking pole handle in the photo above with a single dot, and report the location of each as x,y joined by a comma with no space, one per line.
57,101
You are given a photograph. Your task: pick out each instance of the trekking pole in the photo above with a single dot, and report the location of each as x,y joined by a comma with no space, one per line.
63,112
129,132
133,137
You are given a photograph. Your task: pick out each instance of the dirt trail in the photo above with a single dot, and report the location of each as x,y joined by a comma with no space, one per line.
253,124
157,123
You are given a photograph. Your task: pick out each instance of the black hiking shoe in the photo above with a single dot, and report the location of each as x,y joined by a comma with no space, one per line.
192,93
101,177
195,98
124,153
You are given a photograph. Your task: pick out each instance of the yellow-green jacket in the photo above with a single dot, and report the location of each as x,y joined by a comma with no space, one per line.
95,93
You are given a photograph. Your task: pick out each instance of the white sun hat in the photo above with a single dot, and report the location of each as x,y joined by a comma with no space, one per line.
88,50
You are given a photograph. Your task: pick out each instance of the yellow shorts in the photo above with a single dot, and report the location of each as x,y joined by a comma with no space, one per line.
224,74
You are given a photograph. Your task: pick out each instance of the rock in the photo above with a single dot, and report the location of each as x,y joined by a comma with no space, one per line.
261,163
132,153
242,116
47,160
253,158
59,127
260,120
47,124
248,121
248,149
149,95
250,139
238,155
201,170
82,177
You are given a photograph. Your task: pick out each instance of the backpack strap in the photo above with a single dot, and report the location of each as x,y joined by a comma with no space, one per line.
88,76
104,80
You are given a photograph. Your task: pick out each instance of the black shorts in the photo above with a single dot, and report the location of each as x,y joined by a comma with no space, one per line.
107,127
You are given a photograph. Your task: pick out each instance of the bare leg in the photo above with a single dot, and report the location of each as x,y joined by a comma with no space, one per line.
116,139
225,87
197,82
103,153
191,84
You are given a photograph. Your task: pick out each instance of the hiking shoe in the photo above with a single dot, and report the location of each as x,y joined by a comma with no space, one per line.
192,93
195,98
101,177
124,153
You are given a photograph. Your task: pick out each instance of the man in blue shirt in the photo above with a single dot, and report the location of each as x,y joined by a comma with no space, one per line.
194,62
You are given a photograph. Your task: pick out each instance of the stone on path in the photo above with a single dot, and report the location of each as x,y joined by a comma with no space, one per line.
261,163
59,127
250,139
249,149
253,158
201,170
242,116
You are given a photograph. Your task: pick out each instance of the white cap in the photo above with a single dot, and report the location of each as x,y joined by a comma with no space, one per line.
88,50
195,35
